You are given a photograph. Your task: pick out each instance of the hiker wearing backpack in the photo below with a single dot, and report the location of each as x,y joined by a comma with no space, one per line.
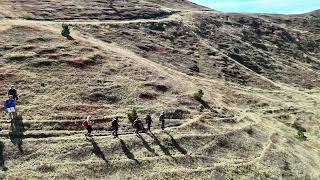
87,124
148,121
137,125
13,92
161,119
115,127
10,105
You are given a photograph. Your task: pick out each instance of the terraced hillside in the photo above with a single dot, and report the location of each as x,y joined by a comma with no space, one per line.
259,73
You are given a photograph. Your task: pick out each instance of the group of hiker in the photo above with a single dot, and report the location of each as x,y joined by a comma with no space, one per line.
137,124
9,105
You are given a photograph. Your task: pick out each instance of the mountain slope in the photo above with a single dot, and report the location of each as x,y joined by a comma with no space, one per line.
259,74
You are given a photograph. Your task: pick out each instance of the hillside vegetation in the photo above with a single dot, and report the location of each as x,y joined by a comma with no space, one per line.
259,74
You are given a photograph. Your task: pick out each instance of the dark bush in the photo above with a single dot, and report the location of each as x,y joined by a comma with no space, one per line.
147,95
65,30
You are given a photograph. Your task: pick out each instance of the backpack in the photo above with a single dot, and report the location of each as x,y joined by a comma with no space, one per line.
85,123
7,104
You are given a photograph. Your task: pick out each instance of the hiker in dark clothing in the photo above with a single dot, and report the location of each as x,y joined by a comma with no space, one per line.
10,105
115,126
161,119
137,125
149,121
13,92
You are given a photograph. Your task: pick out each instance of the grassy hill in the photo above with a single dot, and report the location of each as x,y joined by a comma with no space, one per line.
259,74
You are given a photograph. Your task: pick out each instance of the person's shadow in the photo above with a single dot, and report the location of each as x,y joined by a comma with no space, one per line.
127,152
164,149
2,159
17,132
96,149
147,146
176,144
205,105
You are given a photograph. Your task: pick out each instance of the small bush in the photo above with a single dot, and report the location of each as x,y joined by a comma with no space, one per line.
65,30
198,95
132,115
300,135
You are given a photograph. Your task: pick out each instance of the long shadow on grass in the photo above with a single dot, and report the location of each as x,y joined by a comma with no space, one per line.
164,149
205,104
96,149
127,152
17,132
146,145
2,160
176,144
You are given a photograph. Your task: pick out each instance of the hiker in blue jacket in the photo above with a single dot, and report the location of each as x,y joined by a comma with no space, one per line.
10,105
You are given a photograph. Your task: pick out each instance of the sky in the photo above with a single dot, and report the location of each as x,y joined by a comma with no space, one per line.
262,6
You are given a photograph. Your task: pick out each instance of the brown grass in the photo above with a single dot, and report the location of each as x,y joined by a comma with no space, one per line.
253,105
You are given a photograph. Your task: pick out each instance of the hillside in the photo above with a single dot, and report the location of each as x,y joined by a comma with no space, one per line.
259,72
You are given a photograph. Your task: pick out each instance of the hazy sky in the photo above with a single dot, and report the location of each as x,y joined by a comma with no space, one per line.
262,6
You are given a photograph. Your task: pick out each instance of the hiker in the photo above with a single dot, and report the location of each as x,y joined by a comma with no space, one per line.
148,121
10,105
13,92
137,125
87,124
115,126
161,119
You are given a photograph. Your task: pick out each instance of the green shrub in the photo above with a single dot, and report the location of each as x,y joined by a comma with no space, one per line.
65,30
132,115
198,95
300,135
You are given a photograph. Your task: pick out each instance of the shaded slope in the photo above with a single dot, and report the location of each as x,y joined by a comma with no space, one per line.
92,10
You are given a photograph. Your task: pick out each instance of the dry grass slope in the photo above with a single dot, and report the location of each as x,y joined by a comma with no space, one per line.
259,74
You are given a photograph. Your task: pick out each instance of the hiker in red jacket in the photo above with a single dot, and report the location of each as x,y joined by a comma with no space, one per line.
87,124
